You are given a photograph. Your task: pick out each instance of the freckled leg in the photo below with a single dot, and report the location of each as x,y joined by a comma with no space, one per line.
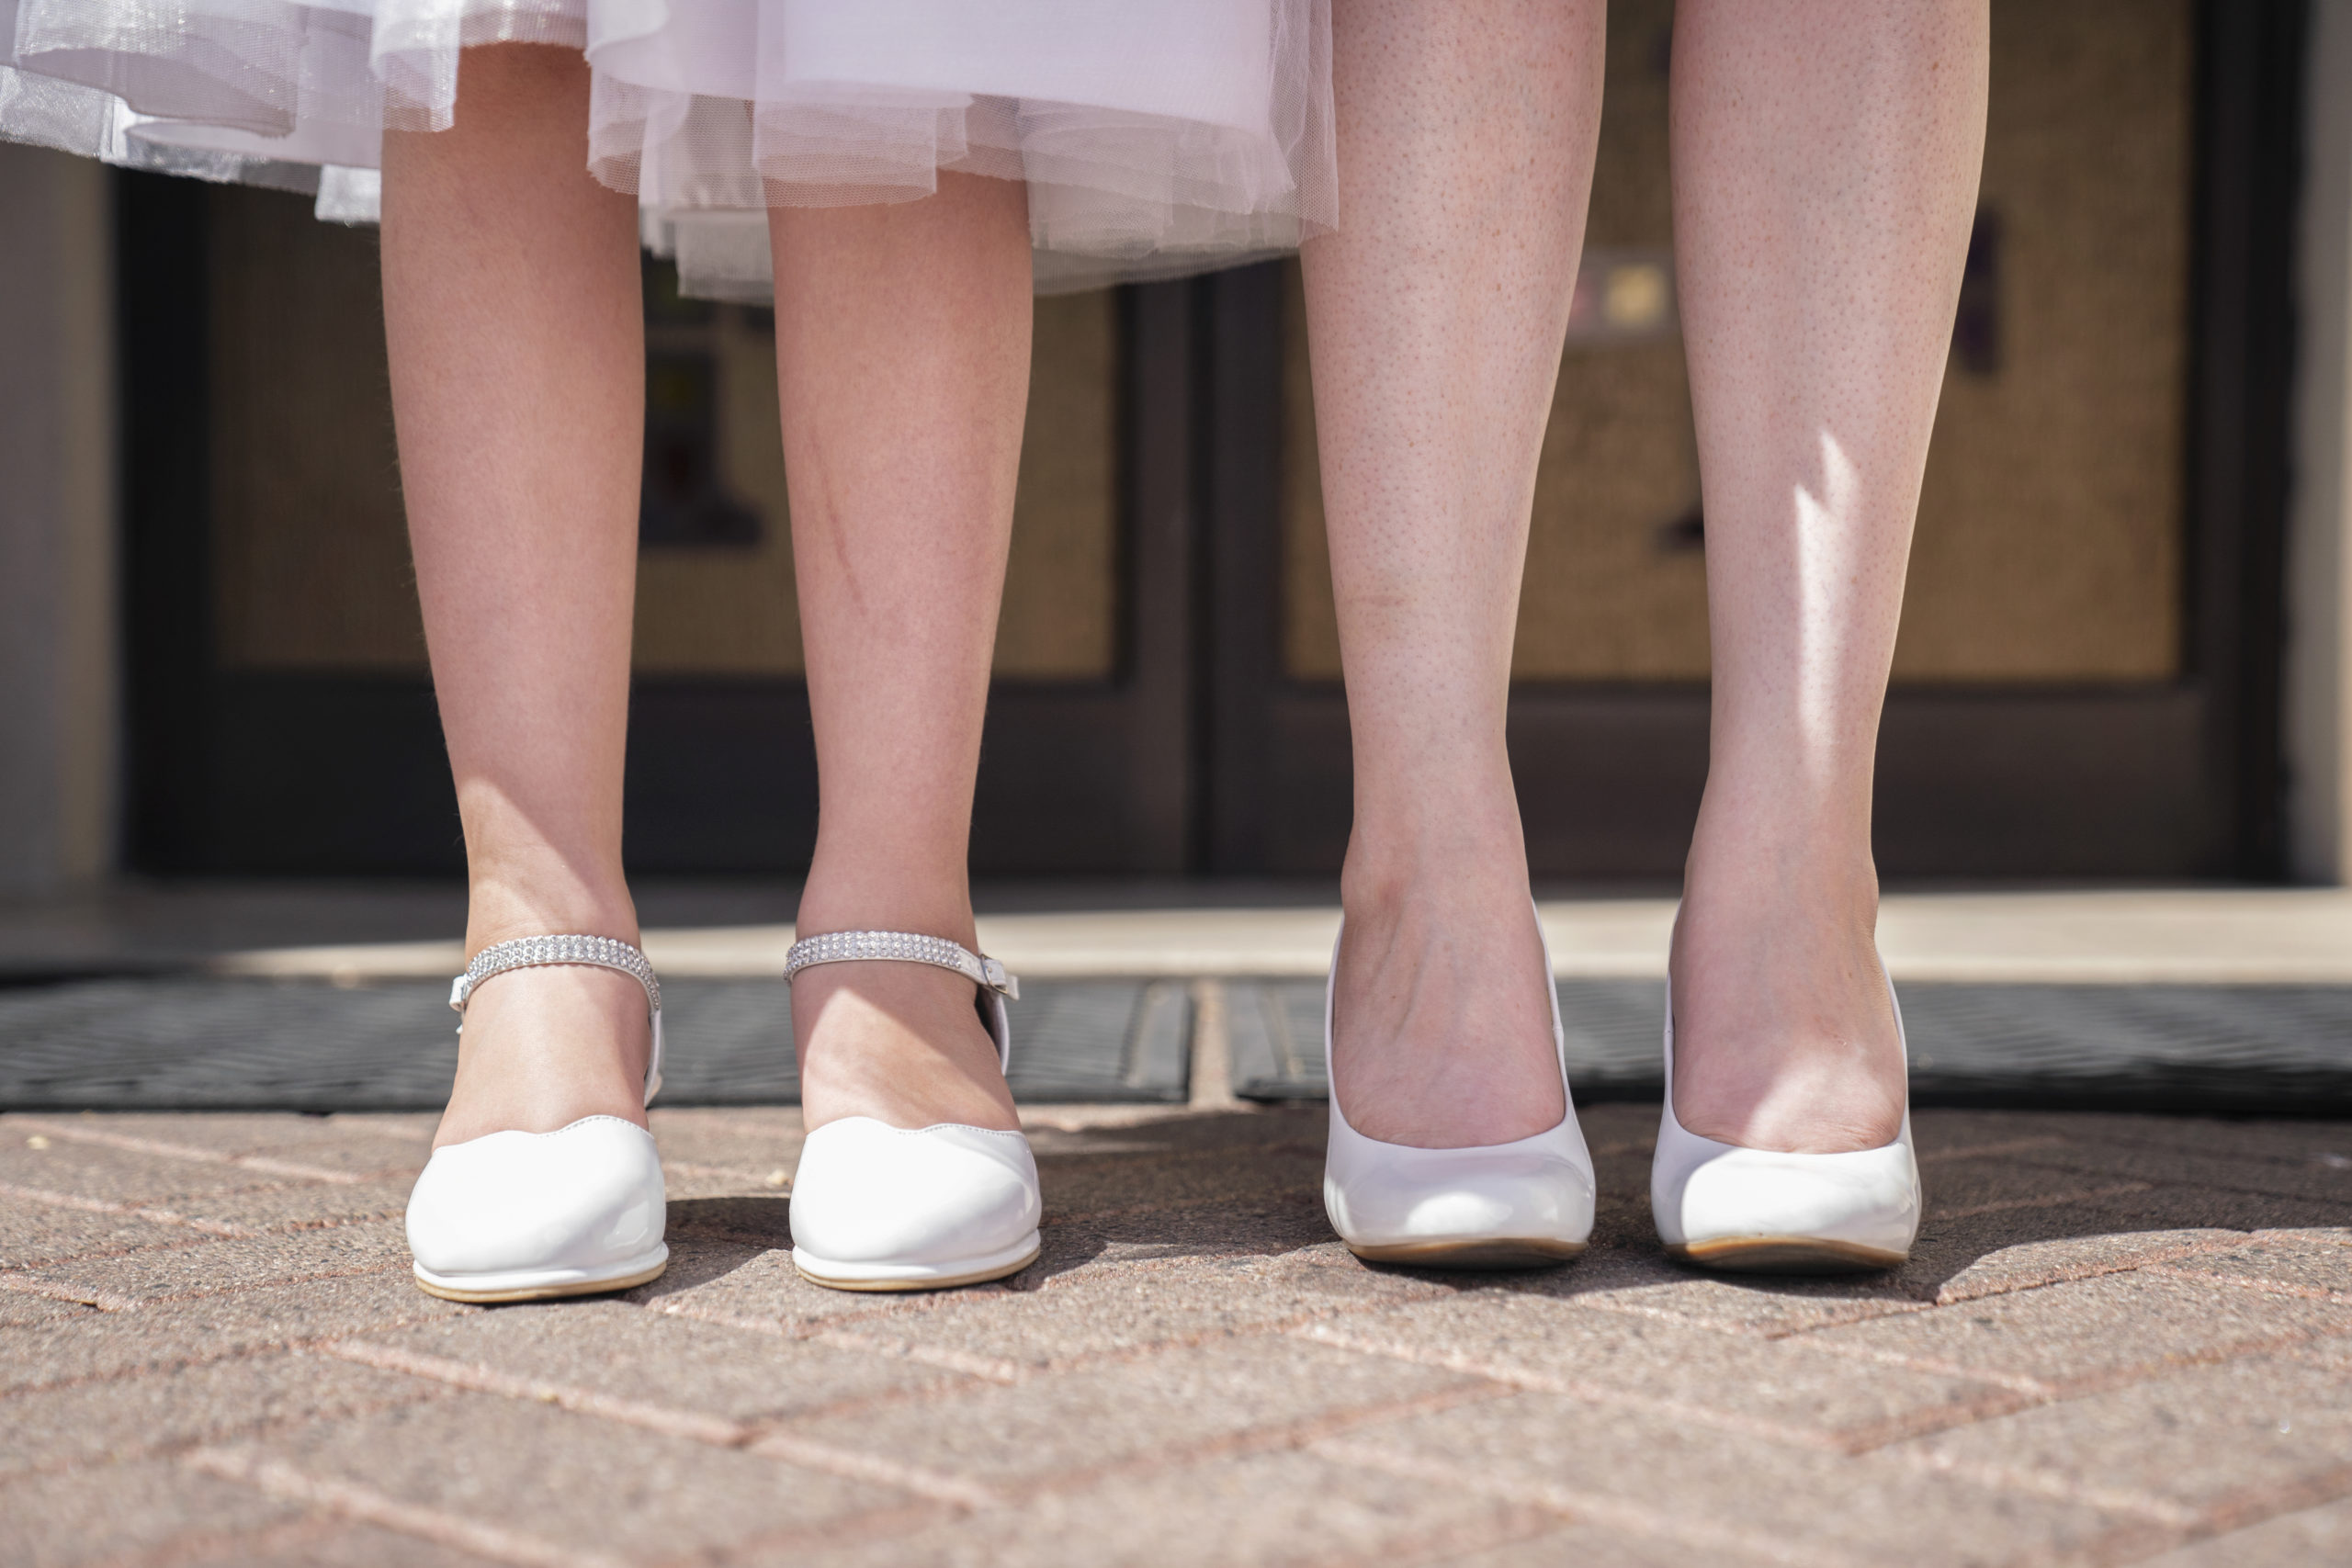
1825,159
515,329
1436,314
902,349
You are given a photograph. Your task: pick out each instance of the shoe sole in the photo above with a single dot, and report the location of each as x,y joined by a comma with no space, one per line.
541,1292
979,1275
1789,1255
1497,1252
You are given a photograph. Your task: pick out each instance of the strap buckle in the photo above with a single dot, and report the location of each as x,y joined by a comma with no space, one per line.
993,975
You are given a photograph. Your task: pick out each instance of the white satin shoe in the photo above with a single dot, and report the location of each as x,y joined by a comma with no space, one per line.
1526,1205
520,1216
1763,1211
882,1208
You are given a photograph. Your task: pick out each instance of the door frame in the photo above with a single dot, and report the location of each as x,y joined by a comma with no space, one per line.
2176,779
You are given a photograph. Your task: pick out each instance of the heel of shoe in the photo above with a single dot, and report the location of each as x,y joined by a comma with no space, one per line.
1764,1212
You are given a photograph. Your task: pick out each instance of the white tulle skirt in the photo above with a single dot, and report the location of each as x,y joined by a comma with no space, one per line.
1157,136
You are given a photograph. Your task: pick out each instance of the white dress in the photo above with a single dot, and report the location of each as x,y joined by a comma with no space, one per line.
1157,136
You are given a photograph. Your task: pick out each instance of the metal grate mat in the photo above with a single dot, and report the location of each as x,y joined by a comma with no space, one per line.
194,1043
2273,1049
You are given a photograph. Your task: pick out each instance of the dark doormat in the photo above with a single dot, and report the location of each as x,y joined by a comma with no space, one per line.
186,1043
2275,1050
189,1043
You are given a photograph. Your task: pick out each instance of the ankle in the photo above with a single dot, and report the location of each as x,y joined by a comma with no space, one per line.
926,901
1475,854
900,1043
543,1047
1826,820
1765,859
500,910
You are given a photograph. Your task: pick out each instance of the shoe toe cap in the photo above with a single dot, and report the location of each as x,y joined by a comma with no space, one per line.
1424,1201
585,1196
1870,1198
867,1193
1520,1209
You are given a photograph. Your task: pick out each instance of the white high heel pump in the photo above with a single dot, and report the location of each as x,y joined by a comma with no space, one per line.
882,1208
1764,1212
1526,1205
519,1216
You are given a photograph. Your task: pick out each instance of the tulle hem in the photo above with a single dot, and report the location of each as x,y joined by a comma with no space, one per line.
1157,137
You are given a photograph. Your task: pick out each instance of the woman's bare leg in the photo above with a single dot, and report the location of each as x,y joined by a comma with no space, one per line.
514,323
902,349
1825,160
1436,316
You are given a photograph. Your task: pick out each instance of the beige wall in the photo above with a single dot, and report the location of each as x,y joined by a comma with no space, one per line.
59,707
2319,564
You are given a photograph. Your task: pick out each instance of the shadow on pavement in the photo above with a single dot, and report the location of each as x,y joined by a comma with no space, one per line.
2011,1196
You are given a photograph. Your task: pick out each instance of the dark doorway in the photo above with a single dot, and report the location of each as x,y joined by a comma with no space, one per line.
2087,686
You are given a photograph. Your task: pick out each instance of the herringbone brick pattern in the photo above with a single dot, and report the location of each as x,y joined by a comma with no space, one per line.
2122,1338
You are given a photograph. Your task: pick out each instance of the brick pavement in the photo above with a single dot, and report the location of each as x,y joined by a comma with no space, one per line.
2122,1339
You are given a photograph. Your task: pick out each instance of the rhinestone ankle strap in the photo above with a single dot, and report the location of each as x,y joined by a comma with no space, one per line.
596,951
851,947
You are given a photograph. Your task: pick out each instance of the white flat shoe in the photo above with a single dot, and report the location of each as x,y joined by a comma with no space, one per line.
1520,1205
520,1216
882,1208
1768,1212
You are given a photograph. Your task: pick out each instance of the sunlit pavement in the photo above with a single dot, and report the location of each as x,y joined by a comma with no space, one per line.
2123,1338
